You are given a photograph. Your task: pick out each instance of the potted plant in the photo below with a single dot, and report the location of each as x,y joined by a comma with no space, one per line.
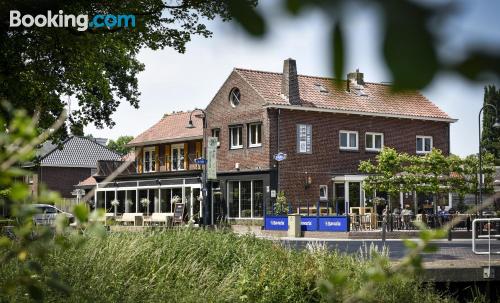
281,206
115,204
145,203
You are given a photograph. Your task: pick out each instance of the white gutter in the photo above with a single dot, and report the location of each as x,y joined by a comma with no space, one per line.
361,113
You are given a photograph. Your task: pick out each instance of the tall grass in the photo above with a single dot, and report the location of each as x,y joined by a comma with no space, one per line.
200,266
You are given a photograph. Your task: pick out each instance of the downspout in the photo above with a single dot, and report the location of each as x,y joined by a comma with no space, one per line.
277,162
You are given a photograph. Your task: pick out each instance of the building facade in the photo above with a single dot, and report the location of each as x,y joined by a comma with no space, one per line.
322,130
161,172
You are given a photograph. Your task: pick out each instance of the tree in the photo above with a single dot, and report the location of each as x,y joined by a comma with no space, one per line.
119,146
40,67
435,173
491,136
411,41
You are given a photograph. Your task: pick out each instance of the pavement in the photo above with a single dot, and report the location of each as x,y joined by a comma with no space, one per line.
454,260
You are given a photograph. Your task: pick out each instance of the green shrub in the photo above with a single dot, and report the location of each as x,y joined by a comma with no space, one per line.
199,266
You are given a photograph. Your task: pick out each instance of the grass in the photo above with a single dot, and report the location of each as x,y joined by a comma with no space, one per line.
200,266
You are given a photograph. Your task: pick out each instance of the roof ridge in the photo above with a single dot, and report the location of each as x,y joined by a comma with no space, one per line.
307,76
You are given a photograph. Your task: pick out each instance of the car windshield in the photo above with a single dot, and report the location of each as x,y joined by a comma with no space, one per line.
50,210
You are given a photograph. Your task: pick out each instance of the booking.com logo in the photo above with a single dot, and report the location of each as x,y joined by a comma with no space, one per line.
81,22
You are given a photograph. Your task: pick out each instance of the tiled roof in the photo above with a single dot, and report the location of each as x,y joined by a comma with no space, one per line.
90,181
78,152
171,128
371,98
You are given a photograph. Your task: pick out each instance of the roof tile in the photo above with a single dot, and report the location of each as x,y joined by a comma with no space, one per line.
377,98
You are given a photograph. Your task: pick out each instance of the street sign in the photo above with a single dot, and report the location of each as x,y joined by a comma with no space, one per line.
280,156
212,158
200,161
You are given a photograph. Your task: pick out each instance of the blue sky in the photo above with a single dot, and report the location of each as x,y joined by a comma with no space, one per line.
173,81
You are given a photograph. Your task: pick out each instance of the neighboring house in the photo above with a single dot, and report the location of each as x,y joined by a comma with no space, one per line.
325,132
162,169
59,169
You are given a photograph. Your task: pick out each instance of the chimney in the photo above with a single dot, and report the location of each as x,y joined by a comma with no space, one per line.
355,78
290,82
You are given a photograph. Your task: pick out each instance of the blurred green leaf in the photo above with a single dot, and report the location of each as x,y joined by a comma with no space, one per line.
408,45
410,244
248,17
81,213
430,248
19,192
478,64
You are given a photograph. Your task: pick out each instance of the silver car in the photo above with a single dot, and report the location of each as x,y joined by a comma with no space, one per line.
46,214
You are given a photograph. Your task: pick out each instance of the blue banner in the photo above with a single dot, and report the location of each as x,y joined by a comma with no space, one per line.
332,223
309,223
276,223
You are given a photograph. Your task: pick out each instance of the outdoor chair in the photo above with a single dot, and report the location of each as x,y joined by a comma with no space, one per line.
354,221
159,218
130,218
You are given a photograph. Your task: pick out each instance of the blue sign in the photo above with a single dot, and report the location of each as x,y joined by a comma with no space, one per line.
332,223
280,156
200,161
276,223
309,223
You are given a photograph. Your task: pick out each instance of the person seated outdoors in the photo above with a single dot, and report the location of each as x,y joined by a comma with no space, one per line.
406,214
442,214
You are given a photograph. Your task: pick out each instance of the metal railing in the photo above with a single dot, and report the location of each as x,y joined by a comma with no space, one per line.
491,224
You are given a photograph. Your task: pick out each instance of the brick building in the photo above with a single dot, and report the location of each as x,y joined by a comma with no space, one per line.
162,170
325,130
59,168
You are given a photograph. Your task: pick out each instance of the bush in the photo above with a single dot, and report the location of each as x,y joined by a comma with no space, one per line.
195,265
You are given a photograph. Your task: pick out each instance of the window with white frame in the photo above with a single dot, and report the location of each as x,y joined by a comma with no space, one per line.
424,144
254,135
374,141
348,140
236,137
304,138
149,160
323,192
216,134
177,152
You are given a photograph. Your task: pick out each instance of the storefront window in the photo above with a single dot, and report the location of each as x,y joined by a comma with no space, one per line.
233,198
242,196
246,199
258,198
354,194
340,198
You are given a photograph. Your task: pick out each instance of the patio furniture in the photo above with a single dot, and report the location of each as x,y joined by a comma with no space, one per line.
136,218
159,218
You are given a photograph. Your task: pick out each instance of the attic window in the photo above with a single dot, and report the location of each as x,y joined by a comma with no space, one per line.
234,97
321,88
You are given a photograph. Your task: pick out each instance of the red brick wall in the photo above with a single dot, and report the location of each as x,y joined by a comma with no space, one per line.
327,158
63,179
220,114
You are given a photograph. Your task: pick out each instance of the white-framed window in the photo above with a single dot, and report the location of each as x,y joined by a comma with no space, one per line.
424,144
149,160
323,192
254,134
348,140
236,137
177,155
374,141
304,138
216,133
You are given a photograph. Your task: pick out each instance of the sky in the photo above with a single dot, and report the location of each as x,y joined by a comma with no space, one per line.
173,81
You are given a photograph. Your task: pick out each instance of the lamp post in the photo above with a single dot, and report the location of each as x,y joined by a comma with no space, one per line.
496,125
204,174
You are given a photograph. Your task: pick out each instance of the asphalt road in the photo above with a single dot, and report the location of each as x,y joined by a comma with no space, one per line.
457,250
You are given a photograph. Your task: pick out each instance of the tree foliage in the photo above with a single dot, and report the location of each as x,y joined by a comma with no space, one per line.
119,146
40,67
491,136
394,172
411,43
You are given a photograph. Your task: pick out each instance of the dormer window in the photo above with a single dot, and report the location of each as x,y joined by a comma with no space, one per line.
320,88
234,97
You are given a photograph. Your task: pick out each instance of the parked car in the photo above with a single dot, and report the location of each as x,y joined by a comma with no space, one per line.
46,214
